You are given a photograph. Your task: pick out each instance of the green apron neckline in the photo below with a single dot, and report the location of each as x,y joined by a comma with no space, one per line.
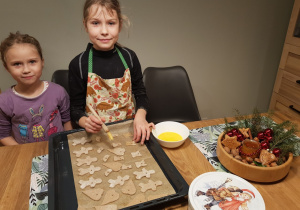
90,64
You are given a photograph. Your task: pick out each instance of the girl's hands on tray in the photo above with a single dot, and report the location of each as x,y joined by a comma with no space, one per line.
142,128
91,124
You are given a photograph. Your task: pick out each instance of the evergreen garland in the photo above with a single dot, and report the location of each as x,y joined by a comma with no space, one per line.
284,134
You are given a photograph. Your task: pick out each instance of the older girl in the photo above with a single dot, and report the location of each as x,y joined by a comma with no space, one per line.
107,75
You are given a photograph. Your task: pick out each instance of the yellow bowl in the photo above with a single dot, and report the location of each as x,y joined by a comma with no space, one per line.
250,172
171,126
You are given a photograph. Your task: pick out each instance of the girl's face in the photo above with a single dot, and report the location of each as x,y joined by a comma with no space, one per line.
24,64
103,28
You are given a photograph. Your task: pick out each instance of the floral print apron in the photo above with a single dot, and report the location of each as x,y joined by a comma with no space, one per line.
111,98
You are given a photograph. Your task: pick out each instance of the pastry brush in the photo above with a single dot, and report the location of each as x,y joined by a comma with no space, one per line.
103,125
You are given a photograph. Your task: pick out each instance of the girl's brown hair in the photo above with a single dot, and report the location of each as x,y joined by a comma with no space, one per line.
18,38
110,5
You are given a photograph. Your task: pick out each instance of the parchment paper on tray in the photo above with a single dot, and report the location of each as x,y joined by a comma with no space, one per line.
114,172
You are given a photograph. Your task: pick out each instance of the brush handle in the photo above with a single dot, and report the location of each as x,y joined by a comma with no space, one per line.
96,115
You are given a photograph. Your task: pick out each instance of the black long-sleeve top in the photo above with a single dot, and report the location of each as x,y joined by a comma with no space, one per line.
108,65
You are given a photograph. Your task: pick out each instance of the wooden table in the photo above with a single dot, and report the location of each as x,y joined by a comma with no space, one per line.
15,173
15,168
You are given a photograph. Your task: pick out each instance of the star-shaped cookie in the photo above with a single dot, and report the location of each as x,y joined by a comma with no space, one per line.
231,142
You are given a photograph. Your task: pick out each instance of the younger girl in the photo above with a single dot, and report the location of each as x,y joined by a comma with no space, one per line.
31,110
106,75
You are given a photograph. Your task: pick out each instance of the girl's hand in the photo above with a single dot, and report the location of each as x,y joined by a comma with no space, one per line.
7,141
91,124
142,128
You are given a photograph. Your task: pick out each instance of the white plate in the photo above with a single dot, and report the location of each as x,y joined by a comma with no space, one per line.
216,180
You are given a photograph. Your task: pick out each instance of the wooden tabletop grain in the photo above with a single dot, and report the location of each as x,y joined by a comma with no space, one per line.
15,172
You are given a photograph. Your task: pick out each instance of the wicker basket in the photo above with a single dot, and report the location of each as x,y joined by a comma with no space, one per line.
250,172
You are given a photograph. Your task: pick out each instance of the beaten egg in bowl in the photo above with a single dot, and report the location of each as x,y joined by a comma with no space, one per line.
170,134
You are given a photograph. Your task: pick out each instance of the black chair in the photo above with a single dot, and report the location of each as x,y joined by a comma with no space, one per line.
170,94
61,77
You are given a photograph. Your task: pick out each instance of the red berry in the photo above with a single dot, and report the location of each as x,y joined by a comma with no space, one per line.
240,137
229,133
268,132
276,152
235,131
269,138
261,135
265,145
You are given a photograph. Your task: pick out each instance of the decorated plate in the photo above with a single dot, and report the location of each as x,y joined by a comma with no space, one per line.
221,190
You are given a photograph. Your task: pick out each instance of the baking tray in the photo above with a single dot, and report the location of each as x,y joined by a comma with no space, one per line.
61,188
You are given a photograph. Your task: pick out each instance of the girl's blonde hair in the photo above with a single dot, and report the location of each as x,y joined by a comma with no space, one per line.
110,5
18,38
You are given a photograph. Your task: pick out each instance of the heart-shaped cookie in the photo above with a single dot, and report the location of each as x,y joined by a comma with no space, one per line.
129,188
110,196
94,194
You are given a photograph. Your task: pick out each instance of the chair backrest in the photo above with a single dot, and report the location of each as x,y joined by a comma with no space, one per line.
61,77
170,94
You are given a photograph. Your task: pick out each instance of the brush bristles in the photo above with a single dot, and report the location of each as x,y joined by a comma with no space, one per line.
110,136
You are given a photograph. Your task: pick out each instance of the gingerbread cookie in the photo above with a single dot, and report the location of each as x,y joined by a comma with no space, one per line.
105,158
140,164
151,185
115,135
136,154
108,171
83,150
94,194
81,141
110,196
96,138
117,151
114,145
245,132
100,149
88,160
115,166
120,180
124,167
129,188
143,173
91,182
266,157
92,169
130,143
231,142
117,158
